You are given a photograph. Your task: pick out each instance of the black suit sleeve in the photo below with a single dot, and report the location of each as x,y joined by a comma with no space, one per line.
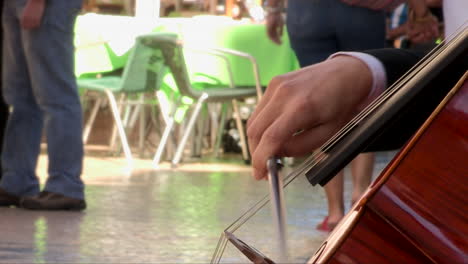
397,62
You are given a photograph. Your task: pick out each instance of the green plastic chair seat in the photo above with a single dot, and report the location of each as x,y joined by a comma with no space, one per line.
221,94
113,83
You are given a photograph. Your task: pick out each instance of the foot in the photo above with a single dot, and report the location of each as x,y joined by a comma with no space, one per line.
52,201
325,225
7,199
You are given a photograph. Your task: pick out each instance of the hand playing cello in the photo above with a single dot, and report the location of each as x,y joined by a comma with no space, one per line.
302,109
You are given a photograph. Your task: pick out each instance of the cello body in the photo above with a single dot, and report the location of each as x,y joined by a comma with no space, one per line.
416,210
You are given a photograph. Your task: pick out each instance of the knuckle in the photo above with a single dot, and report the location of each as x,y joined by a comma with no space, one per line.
253,132
276,81
272,137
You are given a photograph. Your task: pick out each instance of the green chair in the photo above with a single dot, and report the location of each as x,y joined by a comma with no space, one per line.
172,50
142,75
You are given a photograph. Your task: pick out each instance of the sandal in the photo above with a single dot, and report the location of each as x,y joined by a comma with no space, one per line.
325,225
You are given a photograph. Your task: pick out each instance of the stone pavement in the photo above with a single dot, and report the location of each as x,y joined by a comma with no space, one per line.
162,216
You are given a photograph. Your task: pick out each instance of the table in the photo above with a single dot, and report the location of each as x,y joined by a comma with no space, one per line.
103,43
223,32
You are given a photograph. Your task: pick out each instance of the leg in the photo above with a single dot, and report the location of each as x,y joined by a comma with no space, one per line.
55,91
334,193
23,132
358,28
3,106
362,167
310,30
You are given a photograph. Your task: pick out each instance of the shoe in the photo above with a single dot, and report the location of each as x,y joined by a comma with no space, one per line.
52,201
325,225
7,199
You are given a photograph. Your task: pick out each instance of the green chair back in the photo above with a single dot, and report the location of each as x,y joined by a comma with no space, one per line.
144,70
167,44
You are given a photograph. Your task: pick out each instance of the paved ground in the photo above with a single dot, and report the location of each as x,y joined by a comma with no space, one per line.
161,216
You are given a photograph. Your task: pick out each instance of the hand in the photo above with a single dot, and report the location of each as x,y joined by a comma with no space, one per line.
317,100
32,14
423,29
275,25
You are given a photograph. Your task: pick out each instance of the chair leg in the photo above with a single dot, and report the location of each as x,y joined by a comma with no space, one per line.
91,119
139,114
186,134
219,136
142,130
198,137
213,123
120,128
240,127
114,128
163,142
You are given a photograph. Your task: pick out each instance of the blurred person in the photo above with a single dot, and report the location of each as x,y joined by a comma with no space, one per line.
317,29
340,87
3,106
403,26
397,26
40,87
343,102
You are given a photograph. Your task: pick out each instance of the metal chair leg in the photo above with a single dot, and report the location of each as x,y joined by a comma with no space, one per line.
198,137
213,122
186,134
114,128
120,128
240,128
91,119
163,142
219,136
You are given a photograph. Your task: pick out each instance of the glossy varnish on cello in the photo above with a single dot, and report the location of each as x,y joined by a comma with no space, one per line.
416,211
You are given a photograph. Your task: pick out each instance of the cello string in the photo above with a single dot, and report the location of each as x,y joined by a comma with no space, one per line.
330,143
313,159
393,89
377,102
398,84
443,46
317,157
384,97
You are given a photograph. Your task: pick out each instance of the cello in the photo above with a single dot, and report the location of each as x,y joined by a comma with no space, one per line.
415,211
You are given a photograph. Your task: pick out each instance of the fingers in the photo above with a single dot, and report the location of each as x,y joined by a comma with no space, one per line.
272,86
277,98
266,116
308,141
279,134
274,27
274,36
279,34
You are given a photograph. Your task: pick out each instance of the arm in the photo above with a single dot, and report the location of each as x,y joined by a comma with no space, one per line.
274,20
32,14
398,62
302,109
422,26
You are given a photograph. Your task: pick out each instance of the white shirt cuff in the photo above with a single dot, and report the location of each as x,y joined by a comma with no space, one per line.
379,76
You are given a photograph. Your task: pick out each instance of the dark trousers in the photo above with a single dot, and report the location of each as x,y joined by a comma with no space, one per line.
3,106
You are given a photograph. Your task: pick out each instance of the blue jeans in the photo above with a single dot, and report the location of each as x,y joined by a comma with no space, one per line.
40,87
319,28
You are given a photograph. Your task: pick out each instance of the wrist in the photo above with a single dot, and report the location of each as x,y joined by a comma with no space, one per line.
273,7
421,16
272,10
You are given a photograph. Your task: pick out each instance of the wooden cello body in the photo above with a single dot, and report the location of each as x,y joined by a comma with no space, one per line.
417,210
